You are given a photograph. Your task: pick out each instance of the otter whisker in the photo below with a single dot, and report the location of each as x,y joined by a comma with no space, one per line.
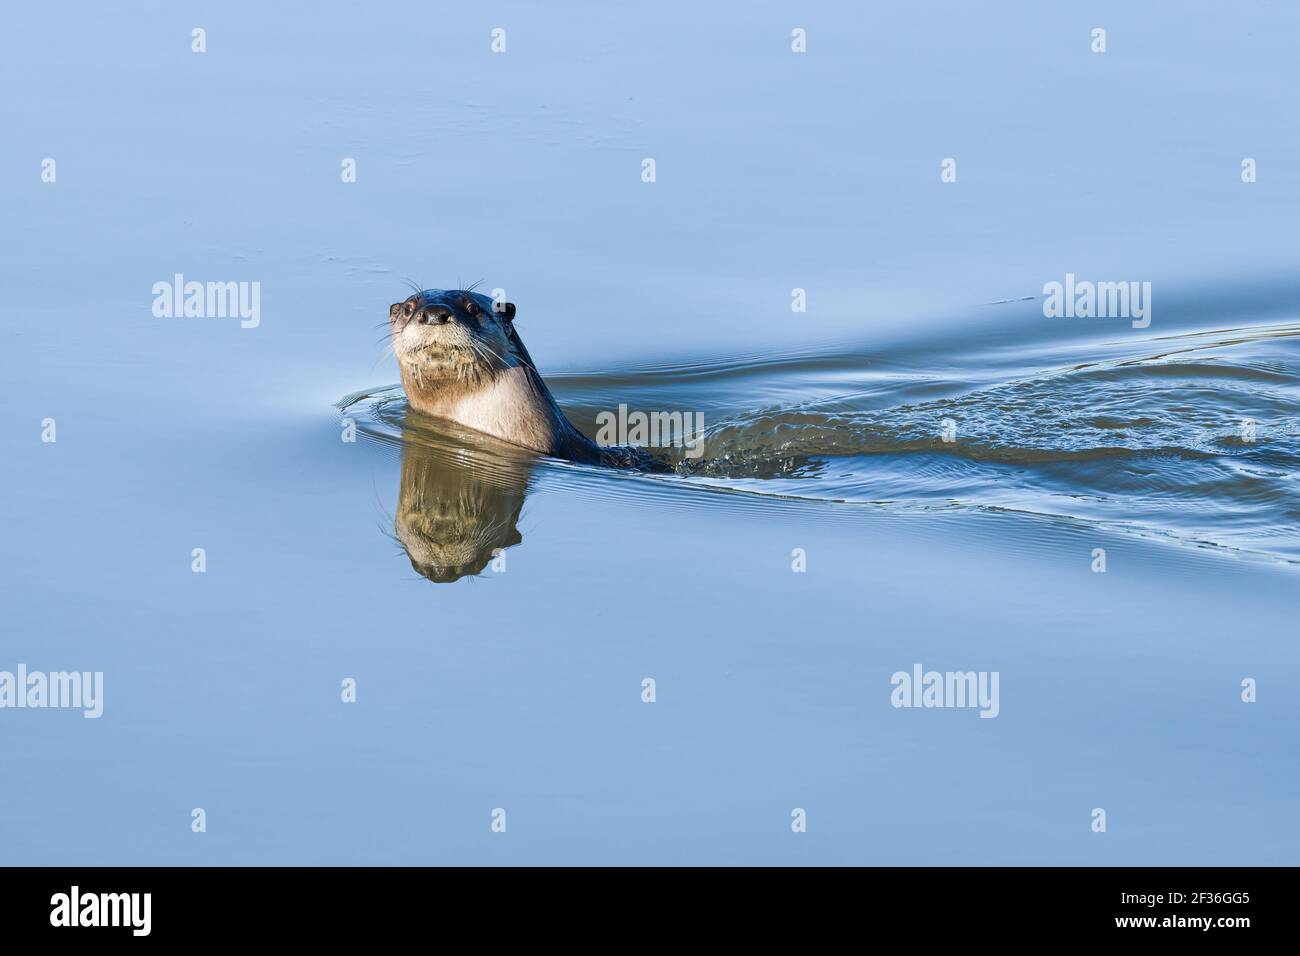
482,347
388,350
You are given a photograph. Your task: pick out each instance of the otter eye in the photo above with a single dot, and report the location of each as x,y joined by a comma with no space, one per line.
408,309
471,307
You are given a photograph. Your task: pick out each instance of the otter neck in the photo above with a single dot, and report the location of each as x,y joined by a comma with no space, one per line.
512,404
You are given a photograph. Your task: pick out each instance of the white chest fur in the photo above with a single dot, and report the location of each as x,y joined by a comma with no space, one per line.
508,407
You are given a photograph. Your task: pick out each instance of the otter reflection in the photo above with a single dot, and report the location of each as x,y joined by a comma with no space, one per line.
458,505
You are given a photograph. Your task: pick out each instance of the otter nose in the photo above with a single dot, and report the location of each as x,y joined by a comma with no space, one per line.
434,315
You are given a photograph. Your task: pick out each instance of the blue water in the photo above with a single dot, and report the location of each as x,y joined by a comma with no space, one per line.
521,689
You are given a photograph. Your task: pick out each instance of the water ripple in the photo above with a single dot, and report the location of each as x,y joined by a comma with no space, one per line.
1189,438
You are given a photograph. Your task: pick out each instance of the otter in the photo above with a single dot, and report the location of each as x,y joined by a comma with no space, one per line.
462,360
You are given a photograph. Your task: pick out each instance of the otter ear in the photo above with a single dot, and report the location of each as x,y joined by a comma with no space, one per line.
506,310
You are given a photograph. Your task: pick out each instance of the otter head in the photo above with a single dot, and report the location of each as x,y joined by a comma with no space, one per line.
448,339
462,361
